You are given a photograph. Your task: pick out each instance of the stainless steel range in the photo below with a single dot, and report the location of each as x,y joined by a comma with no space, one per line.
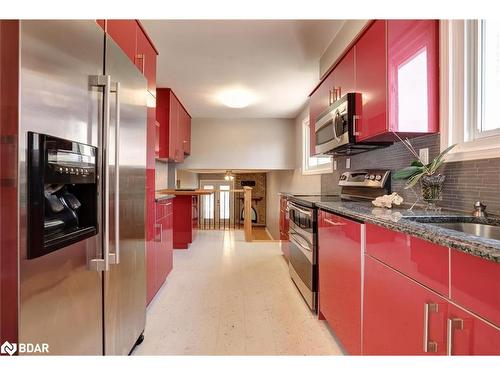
303,230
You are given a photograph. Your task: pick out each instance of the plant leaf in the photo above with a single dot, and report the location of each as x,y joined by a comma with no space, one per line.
416,163
413,180
406,173
438,160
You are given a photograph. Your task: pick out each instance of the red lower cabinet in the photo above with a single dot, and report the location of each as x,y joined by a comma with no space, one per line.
400,317
339,258
475,285
468,335
159,257
284,224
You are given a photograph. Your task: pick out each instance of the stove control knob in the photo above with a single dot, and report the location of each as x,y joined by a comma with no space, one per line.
66,170
367,177
378,177
372,177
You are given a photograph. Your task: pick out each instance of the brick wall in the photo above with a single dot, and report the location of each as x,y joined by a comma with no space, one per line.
466,182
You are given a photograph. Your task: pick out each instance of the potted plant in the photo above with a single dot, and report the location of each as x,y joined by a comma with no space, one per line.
431,182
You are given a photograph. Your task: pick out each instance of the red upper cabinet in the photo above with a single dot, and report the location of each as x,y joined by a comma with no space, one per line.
339,258
145,59
124,33
413,71
397,75
134,41
371,81
342,77
174,126
394,66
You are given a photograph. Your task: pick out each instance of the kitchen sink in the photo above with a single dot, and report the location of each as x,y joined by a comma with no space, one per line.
476,229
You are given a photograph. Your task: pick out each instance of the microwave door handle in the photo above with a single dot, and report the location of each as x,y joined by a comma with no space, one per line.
104,82
323,121
115,258
334,127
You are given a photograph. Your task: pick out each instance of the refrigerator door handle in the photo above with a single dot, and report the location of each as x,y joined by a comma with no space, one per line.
115,258
104,82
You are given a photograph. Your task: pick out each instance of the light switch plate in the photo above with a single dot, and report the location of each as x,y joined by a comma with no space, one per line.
347,163
423,153
335,165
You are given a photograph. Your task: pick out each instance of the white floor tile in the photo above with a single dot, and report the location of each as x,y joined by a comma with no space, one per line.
229,297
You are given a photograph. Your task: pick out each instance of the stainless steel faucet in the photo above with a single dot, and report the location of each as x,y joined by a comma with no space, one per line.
479,209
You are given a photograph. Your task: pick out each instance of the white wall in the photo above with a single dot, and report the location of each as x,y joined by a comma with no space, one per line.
241,144
188,180
161,175
291,181
344,37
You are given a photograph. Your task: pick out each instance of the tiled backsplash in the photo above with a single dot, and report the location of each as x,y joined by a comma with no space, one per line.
466,182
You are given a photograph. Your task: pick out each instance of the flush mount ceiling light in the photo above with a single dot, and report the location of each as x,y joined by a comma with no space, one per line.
236,97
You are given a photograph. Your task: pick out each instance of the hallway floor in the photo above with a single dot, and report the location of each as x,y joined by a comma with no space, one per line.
229,297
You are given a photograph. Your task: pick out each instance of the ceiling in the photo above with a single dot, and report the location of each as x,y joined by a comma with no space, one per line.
276,60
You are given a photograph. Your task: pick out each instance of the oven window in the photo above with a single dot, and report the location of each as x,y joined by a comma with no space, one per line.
302,220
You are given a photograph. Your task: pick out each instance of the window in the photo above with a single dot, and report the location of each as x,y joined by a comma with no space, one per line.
315,164
470,88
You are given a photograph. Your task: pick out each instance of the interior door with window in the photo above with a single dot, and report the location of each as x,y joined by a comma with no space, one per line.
217,210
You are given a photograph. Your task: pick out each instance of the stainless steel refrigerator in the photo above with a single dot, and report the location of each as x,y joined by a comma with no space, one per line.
76,84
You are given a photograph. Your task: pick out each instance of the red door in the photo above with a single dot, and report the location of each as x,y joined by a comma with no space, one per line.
475,285
123,33
339,258
395,321
371,81
413,75
344,74
145,60
469,335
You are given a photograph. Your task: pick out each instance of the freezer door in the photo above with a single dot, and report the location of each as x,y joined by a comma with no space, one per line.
125,283
60,297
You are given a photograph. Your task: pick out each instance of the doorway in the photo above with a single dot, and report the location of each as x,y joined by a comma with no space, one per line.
217,210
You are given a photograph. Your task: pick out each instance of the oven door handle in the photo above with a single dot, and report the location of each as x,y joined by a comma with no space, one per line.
295,207
305,250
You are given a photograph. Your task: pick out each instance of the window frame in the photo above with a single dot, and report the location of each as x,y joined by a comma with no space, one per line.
460,93
306,168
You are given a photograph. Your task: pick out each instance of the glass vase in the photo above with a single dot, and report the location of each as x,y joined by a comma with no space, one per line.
431,188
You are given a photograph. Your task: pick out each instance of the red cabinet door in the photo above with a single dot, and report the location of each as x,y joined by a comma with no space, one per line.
371,81
475,285
413,76
152,253
124,33
339,258
344,74
421,260
469,335
145,59
319,101
394,318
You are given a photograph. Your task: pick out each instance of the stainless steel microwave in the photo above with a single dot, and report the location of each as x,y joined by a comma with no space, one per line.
336,128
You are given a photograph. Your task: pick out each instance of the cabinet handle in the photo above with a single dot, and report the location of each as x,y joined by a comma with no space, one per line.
429,346
161,232
355,118
333,222
452,324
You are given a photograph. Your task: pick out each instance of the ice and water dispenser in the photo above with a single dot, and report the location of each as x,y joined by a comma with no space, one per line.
62,193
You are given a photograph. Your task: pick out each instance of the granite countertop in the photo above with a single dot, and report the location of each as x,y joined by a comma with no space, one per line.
402,220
